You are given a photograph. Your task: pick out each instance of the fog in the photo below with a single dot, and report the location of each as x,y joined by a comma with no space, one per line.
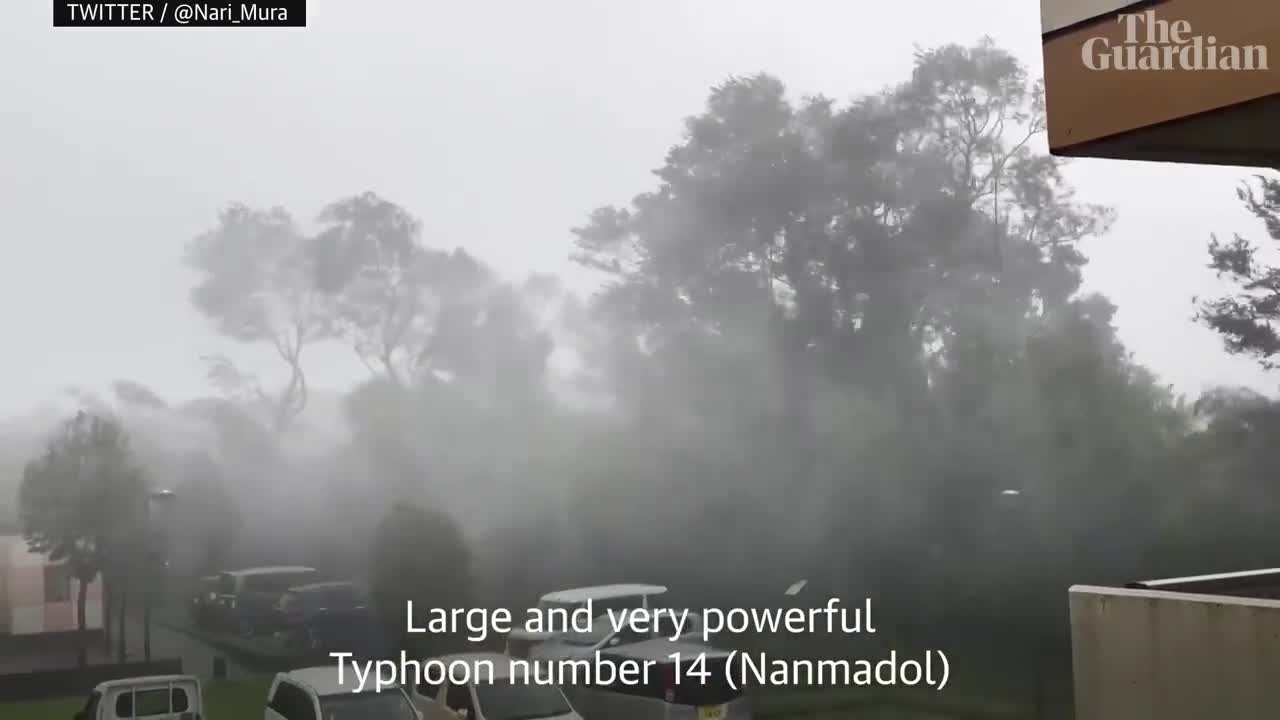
579,281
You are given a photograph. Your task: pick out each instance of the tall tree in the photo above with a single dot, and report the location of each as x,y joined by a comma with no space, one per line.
80,501
258,283
1246,318
390,290
420,555
905,243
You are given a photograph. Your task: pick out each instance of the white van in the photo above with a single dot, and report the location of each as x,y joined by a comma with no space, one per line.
156,697
322,693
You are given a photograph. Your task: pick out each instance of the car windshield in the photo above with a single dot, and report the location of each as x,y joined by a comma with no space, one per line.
601,629
518,701
587,639
385,705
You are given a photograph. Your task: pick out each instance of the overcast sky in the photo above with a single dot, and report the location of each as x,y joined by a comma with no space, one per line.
500,124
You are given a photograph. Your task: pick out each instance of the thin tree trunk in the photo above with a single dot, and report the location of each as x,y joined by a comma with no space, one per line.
122,653
148,597
146,627
82,649
108,618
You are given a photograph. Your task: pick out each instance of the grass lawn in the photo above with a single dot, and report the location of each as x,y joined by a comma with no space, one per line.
223,701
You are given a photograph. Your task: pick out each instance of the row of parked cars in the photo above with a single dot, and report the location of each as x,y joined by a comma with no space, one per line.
314,615
321,693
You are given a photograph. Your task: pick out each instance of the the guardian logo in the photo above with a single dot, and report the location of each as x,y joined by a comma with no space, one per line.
1154,44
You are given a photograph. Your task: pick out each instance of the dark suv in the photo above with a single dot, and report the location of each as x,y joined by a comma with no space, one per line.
327,616
248,597
204,603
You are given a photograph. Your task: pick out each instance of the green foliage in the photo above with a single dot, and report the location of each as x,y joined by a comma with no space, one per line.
81,502
1246,318
208,514
420,555
82,494
839,341
258,284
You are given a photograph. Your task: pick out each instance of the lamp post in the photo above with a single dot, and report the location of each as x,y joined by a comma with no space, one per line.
151,556
1028,632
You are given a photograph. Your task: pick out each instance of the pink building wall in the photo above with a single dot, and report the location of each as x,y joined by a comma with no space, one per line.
23,610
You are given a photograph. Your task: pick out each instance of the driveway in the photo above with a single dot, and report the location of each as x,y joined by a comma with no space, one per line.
197,657
166,643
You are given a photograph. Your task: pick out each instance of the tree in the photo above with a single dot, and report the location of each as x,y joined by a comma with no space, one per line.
390,290
80,500
1246,317
259,284
208,513
800,262
420,555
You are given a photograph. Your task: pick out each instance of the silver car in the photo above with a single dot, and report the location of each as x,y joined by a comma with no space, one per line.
603,635
700,688
599,598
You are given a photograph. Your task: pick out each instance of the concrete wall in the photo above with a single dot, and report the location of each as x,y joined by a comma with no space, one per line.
1174,656
24,606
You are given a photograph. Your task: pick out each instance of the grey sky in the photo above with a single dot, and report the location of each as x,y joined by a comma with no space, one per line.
500,124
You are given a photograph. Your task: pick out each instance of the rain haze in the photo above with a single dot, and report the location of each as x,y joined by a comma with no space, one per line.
500,124
685,305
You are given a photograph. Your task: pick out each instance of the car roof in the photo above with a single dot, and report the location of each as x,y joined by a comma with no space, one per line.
326,680
602,592
607,619
270,570
321,586
501,663
660,650
146,680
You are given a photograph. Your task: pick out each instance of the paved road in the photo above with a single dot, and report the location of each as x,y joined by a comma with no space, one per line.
166,643
197,657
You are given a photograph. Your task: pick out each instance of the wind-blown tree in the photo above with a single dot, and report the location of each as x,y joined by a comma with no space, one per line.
259,284
1246,318
209,515
390,290
793,248
482,412
419,555
1225,487
80,502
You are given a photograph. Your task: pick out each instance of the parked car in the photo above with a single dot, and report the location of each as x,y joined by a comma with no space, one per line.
248,597
693,697
299,604
204,602
160,697
520,641
498,698
330,616
603,635
322,693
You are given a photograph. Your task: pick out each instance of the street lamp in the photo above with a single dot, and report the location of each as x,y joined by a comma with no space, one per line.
1028,628
151,553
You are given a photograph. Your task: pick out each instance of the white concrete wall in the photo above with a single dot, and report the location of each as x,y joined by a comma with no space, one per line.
1174,656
